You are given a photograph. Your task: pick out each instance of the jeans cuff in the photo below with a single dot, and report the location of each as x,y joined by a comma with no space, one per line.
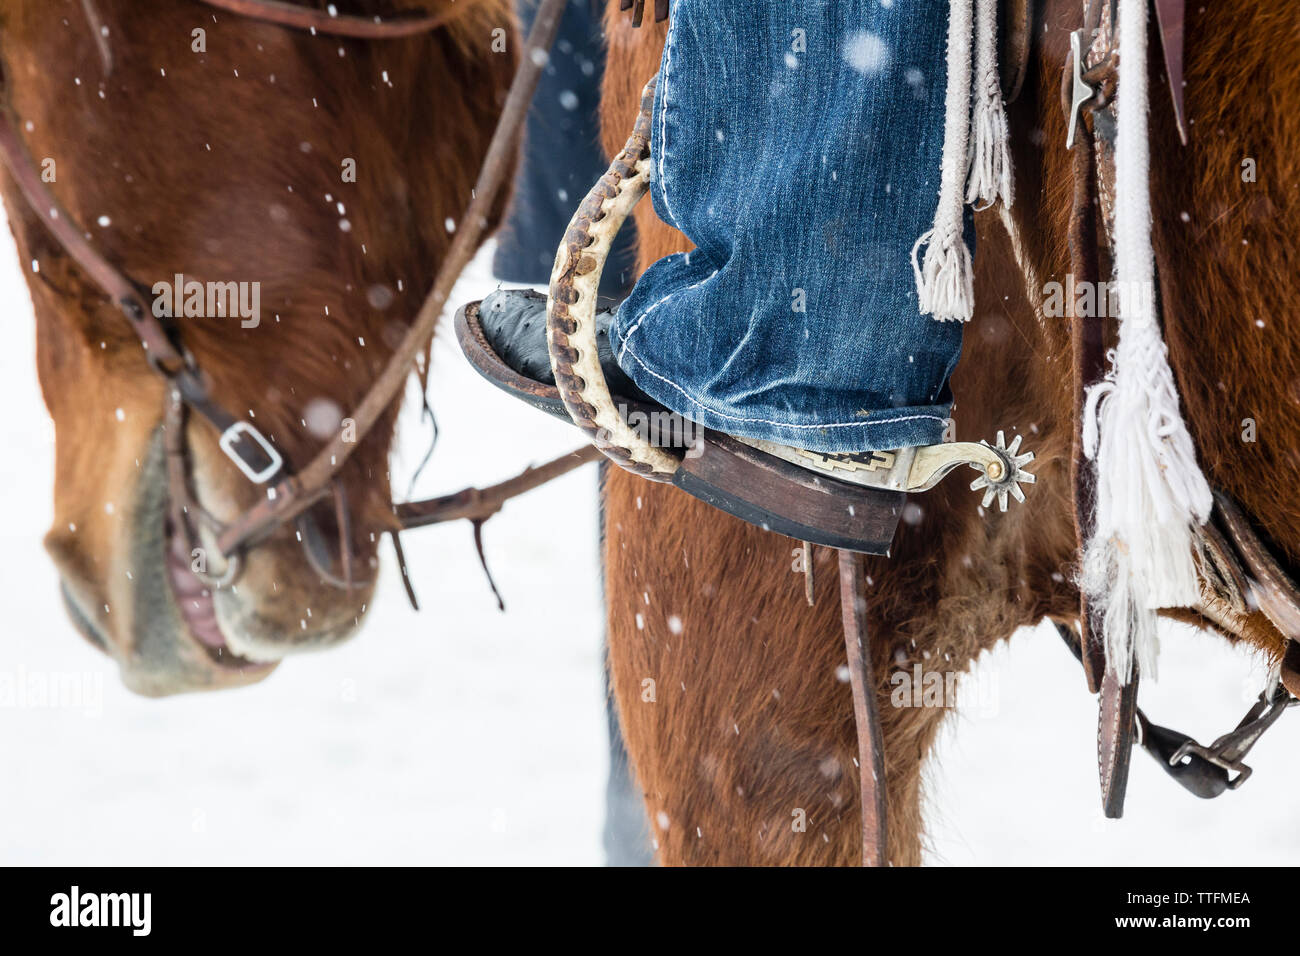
830,429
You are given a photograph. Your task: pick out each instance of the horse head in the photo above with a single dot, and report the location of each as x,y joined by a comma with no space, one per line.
285,198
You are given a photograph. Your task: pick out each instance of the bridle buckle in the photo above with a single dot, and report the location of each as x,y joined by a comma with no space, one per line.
229,442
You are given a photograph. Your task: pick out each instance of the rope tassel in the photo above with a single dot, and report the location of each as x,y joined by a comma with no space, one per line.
945,282
945,285
976,164
990,155
1151,494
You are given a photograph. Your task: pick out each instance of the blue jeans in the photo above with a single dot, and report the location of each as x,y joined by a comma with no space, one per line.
797,144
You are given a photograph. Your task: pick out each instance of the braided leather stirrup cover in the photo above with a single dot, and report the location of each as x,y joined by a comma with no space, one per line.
571,306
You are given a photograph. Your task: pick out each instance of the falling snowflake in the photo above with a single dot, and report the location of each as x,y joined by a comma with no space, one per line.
867,53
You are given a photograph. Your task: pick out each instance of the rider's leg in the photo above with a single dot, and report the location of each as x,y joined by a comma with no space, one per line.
800,149
798,145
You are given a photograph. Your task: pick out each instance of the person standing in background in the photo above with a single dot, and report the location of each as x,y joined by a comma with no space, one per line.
561,159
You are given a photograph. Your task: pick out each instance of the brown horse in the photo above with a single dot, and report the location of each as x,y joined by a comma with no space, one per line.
727,682
188,141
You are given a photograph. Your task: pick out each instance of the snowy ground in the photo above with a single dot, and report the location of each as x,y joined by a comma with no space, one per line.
461,735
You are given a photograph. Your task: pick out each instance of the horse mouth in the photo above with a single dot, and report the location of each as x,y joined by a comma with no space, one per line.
198,613
180,626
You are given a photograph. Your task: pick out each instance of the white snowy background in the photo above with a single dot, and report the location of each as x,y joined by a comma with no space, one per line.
464,736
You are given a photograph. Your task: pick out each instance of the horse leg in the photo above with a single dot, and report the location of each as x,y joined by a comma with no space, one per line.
733,692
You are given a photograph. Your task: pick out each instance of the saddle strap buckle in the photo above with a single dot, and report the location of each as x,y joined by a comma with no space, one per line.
230,442
1228,751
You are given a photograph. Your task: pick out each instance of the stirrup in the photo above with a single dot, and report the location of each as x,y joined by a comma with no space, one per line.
761,482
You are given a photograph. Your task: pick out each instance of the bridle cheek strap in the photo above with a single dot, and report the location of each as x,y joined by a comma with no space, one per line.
241,441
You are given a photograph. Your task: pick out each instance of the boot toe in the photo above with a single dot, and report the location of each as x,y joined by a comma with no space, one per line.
513,322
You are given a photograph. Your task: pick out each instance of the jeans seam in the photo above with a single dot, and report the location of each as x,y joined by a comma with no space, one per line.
763,421
644,315
669,42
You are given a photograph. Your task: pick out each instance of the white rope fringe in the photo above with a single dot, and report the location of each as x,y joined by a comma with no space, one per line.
1151,493
990,155
944,281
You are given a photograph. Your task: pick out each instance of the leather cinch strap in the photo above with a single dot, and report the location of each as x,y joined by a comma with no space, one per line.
1084,91
1205,771
866,715
1291,668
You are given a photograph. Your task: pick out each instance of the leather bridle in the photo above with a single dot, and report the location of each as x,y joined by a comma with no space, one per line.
1237,567
289,492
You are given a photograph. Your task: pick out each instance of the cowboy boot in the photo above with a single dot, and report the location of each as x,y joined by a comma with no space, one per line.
850,500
